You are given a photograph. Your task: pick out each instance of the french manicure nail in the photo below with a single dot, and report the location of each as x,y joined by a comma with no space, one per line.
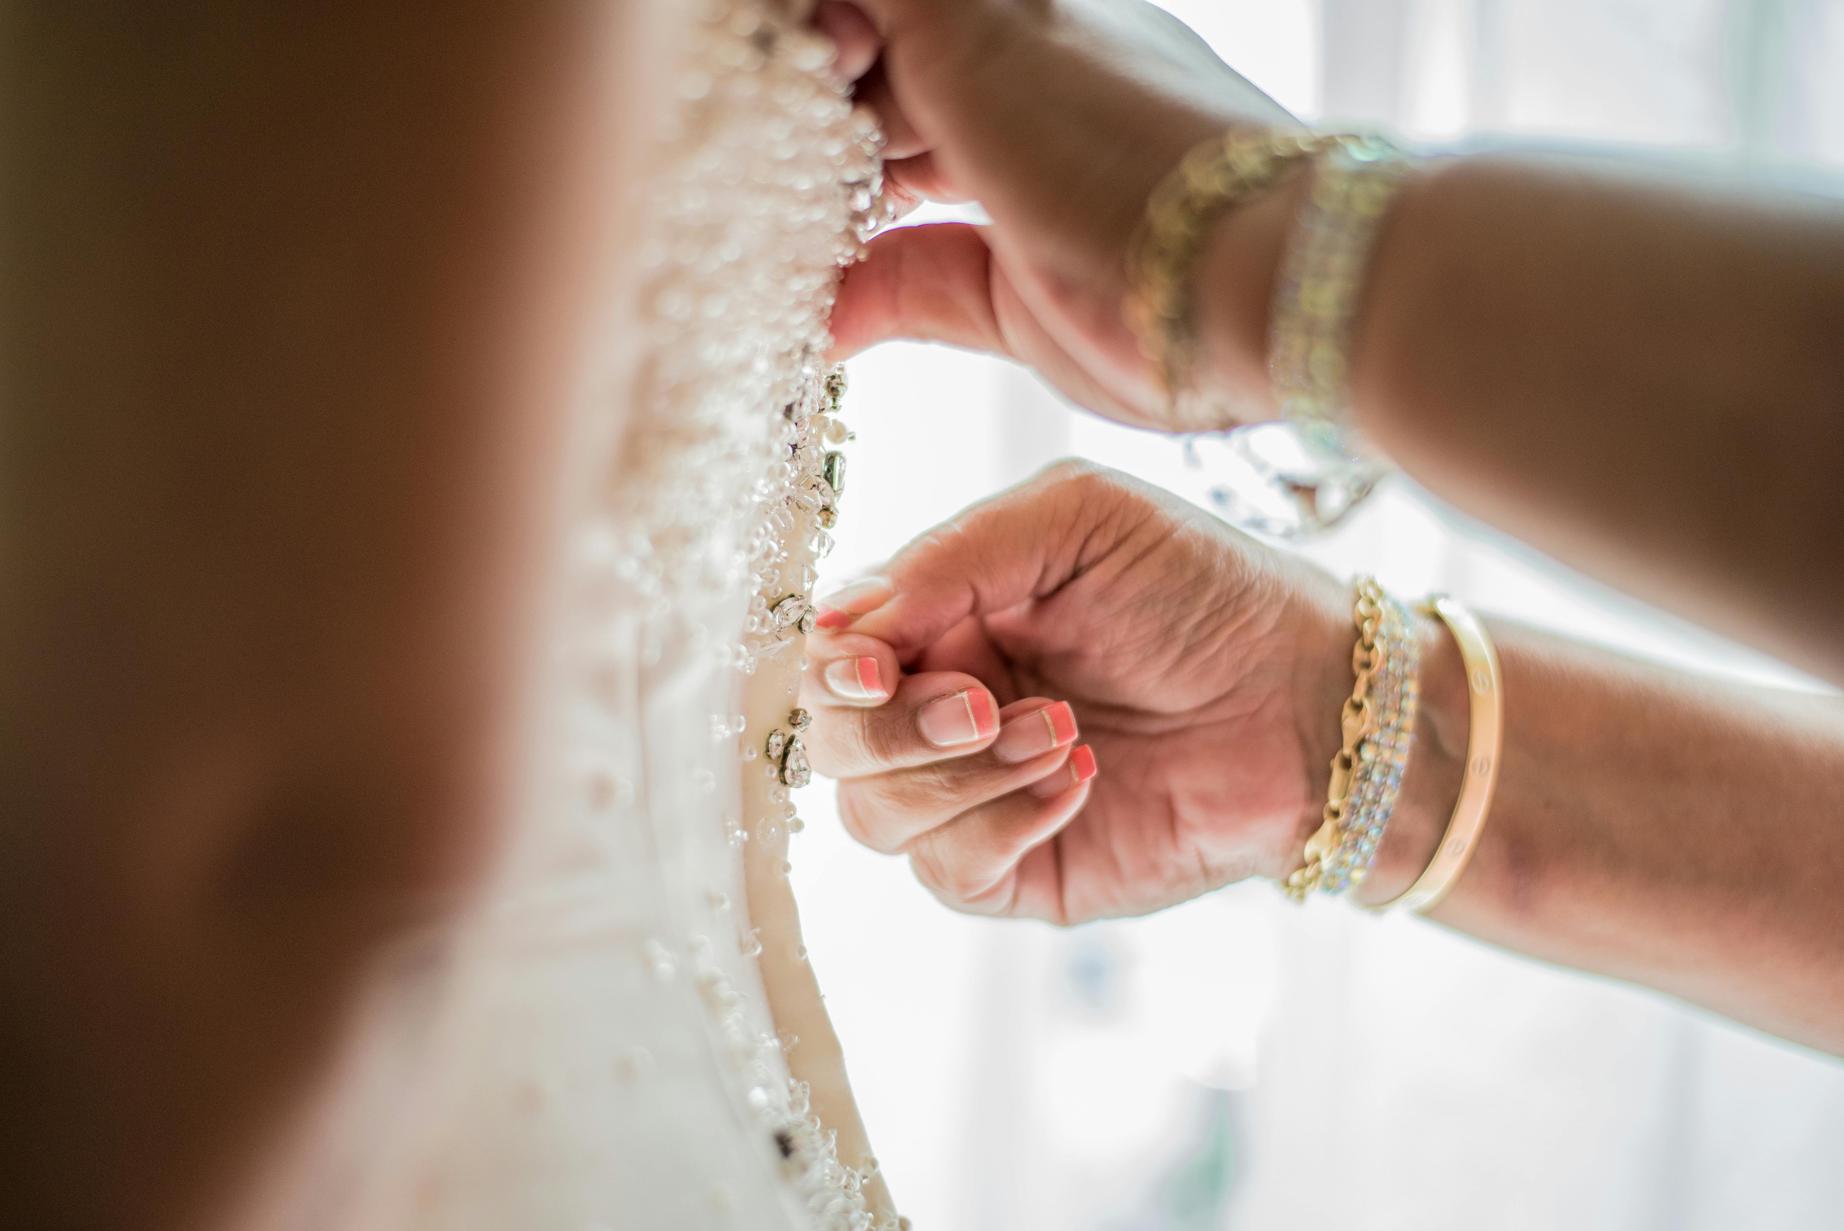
1035,733
855,679
1072,773
960,718
841,607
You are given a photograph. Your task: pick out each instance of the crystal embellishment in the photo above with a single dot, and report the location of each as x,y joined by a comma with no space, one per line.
795,769
787,754
789,612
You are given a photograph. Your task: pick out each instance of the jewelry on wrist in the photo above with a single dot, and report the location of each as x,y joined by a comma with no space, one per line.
1479,778
1382,759
1377,721
1301,470
1214,177
1321,283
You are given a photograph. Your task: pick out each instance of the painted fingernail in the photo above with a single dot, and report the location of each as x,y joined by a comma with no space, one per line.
838,609
1035,733
856,679
1074,772
961,718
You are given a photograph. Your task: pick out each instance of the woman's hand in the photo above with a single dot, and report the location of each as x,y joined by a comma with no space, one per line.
1059,118
1201,670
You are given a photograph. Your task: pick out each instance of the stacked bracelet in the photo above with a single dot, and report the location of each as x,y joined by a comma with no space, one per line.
1309,470
1383,758
1322,275
1377,721
1214,178
1321,281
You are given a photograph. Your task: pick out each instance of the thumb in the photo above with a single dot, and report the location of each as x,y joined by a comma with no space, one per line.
1020,546
925,283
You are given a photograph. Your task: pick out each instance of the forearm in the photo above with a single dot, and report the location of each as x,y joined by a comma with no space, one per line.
1643,378
1681,834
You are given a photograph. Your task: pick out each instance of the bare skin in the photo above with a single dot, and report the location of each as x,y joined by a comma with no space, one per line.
1645,378
1666,830
291,312
1639,375
271,513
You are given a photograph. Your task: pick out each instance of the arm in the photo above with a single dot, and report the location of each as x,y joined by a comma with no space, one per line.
1675,833
1643,377
290,304
1678,833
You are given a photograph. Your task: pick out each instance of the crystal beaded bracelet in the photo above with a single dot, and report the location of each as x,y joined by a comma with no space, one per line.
1321,281
1383,758
1378,725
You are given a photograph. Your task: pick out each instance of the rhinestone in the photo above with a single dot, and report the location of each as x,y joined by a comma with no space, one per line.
795,770
788,612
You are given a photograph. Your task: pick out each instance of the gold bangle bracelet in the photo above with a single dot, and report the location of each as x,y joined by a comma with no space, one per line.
1484,738
1357,718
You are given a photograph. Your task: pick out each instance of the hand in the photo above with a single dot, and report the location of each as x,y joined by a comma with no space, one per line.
1202,670
1059,118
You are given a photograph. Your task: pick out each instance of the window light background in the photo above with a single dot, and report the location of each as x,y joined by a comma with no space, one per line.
1239,1062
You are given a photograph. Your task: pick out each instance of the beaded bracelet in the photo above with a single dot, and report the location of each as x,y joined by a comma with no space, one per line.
1321,281
1382,759
1322,274
1377,720
1214,177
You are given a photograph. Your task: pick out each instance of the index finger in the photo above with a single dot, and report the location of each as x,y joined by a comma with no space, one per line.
929,283
1022,545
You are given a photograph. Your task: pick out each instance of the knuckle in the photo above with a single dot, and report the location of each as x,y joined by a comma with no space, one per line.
1078,476
929,792
946,872
1091,492
928,871
855,815
906,804
878,738
845,743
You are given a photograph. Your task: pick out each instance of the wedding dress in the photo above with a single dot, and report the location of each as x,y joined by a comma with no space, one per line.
631,1038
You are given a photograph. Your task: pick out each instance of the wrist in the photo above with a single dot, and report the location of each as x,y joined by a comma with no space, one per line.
1402,300
1241,267
1431,785
1235,294
1322,684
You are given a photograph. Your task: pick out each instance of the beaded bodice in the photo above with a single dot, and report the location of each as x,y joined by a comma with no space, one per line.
611,1059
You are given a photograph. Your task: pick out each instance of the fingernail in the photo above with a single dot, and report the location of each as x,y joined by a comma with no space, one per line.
961,718
855,679
1035,733
841,607
1074,772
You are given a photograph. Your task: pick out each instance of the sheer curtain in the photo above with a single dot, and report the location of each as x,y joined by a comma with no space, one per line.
1239,1062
